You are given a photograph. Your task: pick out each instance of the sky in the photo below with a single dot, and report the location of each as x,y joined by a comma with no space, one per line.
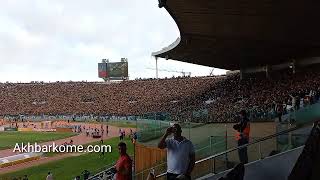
63,40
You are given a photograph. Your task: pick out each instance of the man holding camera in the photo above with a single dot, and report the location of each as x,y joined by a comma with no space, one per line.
180,154
242,135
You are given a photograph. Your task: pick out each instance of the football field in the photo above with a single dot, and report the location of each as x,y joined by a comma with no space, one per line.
9,139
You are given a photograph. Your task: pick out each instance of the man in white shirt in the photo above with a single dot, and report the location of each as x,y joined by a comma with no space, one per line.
180,154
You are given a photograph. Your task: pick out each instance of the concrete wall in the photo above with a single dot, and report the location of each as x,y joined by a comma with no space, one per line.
299,62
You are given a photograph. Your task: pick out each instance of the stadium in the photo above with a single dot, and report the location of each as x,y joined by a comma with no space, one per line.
272,54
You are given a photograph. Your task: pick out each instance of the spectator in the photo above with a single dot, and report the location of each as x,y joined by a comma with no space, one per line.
242,135
123,133
279,111
124,163
180,154
120,135
134,138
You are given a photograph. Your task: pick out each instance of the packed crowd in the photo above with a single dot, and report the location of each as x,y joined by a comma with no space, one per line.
125,98
283,91
222,96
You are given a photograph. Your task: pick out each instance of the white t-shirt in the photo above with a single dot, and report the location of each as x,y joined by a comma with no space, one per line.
178,155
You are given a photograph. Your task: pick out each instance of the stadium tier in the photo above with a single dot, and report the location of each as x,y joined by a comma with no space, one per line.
218,98
124,98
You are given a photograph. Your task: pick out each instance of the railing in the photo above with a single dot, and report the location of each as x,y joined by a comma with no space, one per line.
215,164
106,174
103,175
157,169
257,149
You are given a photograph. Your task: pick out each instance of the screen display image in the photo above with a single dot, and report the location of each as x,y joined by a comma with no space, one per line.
118,69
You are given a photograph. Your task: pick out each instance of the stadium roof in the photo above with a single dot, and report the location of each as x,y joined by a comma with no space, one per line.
235,34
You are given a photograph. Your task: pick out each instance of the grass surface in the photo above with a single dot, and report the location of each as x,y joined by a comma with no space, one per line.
9,139
69,168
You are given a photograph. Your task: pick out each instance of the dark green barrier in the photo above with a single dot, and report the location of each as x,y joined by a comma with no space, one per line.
10,129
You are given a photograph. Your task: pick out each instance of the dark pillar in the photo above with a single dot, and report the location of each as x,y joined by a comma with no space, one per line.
241,74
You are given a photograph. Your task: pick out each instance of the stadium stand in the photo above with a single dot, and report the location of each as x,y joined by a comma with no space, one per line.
125,98
227,95
262,96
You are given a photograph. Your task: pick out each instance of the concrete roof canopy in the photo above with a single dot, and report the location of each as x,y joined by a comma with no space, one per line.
235,34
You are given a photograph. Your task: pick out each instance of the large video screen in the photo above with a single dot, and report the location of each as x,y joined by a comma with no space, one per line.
117,69
113,70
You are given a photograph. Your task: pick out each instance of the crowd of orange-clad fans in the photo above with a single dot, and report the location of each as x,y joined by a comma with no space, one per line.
222,96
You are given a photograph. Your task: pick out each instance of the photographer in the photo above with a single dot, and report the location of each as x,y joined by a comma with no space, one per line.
242,135
180,154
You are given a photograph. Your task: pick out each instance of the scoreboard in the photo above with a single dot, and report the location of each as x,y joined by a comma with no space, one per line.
113,70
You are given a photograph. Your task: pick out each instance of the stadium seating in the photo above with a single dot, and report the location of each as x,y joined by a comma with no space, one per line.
125,98
221,96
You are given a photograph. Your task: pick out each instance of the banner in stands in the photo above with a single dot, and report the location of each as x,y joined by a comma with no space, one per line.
45,130
64,130
25,129
1,128
10,129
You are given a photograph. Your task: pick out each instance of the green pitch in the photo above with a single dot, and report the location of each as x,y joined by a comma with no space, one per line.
70,167
9,139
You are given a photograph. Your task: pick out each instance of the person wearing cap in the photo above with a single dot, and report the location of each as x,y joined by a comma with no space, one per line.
242,135
180,153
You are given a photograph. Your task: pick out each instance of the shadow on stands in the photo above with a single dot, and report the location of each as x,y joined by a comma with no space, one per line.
308,165
237,173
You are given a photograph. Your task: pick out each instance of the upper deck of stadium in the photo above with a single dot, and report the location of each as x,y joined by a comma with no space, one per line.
232,34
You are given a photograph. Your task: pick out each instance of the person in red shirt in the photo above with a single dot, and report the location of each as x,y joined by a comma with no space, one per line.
124,163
